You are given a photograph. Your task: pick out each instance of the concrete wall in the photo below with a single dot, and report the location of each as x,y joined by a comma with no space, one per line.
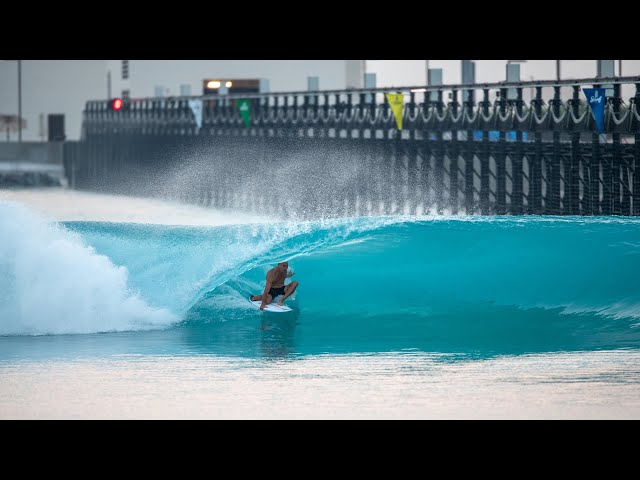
45,153
32,164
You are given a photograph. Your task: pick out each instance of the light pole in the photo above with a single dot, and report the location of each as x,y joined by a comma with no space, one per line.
558,70
19,101
513,75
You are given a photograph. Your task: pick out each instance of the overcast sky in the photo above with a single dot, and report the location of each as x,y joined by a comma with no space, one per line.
413,72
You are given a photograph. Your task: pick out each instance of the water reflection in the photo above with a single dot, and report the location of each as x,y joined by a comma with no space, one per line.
250,334
278,338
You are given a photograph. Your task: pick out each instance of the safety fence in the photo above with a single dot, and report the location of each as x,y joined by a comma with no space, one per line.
375,151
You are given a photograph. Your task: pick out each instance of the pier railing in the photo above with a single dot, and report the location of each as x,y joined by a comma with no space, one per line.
496,148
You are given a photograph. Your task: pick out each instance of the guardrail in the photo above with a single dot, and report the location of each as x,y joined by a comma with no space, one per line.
499,155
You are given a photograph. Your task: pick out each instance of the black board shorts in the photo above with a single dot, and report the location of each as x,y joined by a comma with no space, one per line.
275,291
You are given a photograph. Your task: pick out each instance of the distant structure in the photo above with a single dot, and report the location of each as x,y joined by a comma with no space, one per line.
448,149
36,89
39,88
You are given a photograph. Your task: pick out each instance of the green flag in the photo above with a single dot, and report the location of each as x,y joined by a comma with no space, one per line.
245,111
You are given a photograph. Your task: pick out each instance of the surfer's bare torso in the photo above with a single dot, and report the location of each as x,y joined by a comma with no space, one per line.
277,277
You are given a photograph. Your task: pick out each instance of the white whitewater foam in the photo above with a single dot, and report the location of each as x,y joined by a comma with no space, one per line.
52,283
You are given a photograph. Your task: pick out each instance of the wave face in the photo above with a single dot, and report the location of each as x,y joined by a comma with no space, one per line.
450,284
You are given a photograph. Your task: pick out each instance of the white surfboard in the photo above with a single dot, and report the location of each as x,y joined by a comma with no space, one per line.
272,307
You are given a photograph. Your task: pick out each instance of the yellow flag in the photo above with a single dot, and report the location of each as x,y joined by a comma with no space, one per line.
396,102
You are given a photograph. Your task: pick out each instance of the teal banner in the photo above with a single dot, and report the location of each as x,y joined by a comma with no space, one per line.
597,99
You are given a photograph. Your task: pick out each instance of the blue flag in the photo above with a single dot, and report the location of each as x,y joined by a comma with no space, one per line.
596,99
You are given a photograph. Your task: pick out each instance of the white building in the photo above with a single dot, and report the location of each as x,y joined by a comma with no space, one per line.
64,86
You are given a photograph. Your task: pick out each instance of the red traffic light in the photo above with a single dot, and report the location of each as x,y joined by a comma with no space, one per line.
116,104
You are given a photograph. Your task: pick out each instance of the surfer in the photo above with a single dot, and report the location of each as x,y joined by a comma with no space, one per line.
275,285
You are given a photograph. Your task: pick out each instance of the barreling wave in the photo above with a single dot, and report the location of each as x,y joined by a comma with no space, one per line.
423,282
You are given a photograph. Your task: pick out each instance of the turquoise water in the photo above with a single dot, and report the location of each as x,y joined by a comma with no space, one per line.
403,304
